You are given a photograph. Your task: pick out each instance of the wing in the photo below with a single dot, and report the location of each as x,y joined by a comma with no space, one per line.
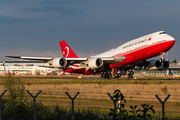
93,63
32,58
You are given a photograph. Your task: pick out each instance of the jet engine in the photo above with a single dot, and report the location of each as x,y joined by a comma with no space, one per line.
158,64
95,63
165,65
59,62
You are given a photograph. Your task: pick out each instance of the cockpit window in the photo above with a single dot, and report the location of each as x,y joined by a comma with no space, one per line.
162,33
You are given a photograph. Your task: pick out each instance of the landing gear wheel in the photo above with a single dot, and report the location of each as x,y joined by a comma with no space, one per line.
131,76
105,75
110,75
102,75
118,75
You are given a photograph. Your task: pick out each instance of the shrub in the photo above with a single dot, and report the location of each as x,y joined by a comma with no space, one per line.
137,114
16,106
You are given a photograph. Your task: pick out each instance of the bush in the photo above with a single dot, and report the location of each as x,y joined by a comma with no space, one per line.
16,106
136,114
15,88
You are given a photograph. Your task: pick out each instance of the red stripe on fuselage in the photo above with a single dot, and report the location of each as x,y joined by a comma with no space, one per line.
143,53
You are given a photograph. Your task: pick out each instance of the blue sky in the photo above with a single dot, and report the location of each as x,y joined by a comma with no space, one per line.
35,27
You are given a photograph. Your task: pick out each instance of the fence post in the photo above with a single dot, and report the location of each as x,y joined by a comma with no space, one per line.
34,99
0,104
72,103
163,102
114,101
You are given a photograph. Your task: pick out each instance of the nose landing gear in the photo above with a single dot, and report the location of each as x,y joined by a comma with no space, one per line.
130,73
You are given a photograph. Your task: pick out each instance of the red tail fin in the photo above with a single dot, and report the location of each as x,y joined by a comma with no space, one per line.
67,52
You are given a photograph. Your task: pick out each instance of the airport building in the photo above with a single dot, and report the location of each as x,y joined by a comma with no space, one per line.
25,68
174,69
32,68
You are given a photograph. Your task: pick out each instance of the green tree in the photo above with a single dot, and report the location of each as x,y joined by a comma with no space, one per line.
15,88
174,61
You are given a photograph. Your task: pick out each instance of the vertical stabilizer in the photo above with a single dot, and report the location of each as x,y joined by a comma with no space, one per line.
67,52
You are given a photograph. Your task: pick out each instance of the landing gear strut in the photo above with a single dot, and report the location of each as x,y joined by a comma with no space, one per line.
130,73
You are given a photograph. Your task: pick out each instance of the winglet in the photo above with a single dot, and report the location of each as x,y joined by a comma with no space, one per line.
67,52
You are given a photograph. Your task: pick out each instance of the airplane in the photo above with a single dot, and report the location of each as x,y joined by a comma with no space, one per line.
125,57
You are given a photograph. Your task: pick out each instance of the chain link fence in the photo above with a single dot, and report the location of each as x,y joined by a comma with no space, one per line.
74,102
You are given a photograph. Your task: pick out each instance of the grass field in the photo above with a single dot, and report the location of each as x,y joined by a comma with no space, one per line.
93,92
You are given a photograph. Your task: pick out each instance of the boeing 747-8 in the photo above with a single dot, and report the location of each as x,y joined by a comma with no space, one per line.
125,57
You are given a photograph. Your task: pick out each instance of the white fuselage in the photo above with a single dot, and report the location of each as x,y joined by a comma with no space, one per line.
144,41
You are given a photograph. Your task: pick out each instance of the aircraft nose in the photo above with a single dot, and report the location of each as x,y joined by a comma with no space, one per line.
173,40
170,39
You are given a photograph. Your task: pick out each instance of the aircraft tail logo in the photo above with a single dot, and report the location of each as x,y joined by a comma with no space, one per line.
67,52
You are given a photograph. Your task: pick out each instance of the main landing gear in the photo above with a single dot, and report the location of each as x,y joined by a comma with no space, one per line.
105,74
108,74
116,73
